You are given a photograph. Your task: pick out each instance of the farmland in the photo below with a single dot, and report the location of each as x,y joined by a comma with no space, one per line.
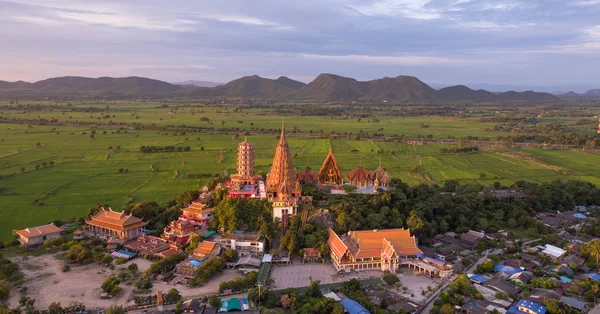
59,169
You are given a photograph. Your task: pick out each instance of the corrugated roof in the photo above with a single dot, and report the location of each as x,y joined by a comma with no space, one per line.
353,307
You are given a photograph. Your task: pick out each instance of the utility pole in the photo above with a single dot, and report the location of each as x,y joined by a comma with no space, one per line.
259,285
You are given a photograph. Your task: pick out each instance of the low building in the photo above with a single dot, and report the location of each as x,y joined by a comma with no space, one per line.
311,255
353,307
244,243
553,251
192,306
152,247
114,226
248,263
471,237
575,303
527,307
35,236
205,250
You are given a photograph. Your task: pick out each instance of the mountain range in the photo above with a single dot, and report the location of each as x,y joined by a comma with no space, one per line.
326,87
592,93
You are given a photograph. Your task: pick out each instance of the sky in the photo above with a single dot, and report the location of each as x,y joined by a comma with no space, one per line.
512,42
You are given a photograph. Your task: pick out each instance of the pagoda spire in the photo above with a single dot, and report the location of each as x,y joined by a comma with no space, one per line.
282,136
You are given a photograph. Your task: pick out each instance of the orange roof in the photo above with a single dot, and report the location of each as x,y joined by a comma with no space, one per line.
336,244
377,243
311,252
39,231
114,220
197,208
380,234
360,174
205,248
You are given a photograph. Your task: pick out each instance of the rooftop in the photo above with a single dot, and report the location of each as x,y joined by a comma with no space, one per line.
115,220
39,231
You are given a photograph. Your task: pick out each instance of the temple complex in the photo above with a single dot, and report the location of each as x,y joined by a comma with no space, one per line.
330,173
360,177
114,226
283,188
308,176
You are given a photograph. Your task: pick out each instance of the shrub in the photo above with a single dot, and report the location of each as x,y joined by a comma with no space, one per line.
390,279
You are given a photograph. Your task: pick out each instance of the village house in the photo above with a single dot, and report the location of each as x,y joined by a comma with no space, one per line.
114,226
35,236
244,243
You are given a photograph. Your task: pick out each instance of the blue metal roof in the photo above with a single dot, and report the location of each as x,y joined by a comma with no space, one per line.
581,209
195,263
565,279
353,307
531,306
593,276
477,278
580,216
506,269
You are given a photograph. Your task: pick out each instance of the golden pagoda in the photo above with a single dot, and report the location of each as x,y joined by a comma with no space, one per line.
282,178
330,173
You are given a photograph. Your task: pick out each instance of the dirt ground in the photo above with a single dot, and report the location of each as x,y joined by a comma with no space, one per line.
47,283
293,276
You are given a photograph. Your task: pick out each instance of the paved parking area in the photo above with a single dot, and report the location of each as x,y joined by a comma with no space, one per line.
293,276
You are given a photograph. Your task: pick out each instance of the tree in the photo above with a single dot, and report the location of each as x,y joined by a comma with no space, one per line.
115,309
214,301
78,253
485,267
133,267
447,309
285,301
55,308
592,248
414,222
4,289
111,285
173,295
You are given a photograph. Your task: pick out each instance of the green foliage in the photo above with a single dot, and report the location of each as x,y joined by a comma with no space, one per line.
55,308
195,239
115,309
244,214
390,279
207,269
462,285
111,285
4,289
133,267
556,307
592,250
79,253
9,271
172,296
214,301
240,283
165,265
485,267
502,295
143,284
544,283
229,254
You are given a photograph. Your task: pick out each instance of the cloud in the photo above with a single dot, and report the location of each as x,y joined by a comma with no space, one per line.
36,20
415,9
395,60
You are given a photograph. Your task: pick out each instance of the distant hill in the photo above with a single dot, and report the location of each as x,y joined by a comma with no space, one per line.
197,83
252,86
592,93
74,85
335,87
526,96
461,92
325,87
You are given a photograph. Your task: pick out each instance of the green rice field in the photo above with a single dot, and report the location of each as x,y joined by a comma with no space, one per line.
58,171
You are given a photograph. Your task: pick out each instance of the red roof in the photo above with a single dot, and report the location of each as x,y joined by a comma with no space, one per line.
39,231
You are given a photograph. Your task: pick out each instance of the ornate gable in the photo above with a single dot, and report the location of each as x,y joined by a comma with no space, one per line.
330,172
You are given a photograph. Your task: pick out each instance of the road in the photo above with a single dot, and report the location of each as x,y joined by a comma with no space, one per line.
444,287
